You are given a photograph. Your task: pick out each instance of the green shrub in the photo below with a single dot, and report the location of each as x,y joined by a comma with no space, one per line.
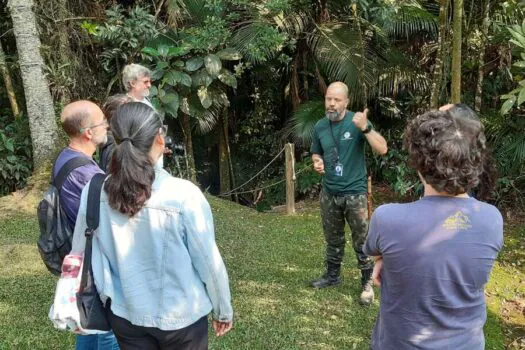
15,154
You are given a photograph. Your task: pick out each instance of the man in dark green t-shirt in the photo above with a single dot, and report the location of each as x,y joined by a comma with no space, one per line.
338,154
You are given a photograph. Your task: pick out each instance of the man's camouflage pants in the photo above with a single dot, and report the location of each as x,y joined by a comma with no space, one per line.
334,211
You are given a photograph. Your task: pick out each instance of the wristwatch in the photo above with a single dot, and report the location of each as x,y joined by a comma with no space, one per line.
367,130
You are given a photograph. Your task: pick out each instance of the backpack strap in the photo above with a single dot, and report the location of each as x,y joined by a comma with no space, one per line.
66,169
92,219
93,203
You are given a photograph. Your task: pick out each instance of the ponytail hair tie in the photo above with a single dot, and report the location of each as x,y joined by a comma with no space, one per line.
126,139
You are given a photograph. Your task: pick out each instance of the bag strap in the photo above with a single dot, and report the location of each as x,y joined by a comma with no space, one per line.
92,219
93,203
66,169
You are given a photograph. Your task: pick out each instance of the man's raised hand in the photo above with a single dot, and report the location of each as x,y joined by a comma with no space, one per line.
361,119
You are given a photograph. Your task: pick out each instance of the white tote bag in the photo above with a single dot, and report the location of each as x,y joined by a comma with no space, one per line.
64,311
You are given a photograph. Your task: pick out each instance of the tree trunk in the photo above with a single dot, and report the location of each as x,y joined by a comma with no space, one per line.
321,83
304,56
481,59
456,51
364,89
438,67
40,111
8,84
188,144
64,56
224,166
294,86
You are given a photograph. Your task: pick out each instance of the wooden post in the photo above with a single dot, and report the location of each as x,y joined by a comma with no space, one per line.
369,197
290,178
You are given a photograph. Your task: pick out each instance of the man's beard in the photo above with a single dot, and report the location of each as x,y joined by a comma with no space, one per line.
102,142
145,93
332,115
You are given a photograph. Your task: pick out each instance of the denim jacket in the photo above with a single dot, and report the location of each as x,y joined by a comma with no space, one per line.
160,268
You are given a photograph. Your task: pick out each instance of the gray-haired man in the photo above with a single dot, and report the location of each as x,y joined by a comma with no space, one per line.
137,82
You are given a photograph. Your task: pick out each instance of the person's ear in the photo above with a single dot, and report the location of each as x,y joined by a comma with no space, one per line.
88,133
159,139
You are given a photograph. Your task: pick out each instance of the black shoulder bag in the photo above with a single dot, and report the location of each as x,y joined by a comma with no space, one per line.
93,314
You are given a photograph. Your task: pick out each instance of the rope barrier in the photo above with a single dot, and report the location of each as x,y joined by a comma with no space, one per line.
265,187
228,193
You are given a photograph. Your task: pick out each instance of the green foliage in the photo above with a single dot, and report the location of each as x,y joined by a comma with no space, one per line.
393,169
301,124
308,181
15,154
259,41
212,34
257,137
507,140
122,35
187,81
517,96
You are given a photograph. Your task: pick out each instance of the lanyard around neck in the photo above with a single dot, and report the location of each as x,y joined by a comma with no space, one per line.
337,141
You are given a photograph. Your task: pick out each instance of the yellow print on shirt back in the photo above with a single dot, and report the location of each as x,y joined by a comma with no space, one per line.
458,221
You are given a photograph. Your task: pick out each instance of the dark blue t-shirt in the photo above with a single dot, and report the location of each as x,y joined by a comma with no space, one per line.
437,256
75,182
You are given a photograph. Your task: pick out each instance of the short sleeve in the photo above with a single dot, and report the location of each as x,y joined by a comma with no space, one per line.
316,148
372,246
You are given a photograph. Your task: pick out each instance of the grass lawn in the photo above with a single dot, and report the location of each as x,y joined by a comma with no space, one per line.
270,259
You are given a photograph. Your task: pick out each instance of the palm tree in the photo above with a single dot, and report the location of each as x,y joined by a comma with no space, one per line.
359,52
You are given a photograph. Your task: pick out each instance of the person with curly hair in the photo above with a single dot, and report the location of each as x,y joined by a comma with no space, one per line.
464,115
434,256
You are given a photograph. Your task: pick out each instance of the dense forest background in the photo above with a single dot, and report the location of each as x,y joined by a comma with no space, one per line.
237,79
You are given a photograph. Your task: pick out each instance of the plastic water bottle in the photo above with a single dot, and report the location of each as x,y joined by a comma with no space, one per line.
71,266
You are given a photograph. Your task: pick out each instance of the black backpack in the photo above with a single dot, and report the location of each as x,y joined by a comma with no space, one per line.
55,233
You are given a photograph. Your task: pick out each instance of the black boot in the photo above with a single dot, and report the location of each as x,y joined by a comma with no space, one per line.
330,277
367,292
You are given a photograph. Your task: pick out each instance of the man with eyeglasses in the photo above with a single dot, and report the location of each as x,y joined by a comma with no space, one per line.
86,128
137,82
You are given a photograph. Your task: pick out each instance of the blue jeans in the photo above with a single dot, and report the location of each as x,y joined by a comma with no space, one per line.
106,341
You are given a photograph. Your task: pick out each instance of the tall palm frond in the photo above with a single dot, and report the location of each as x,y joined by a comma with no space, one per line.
407,21
175,11
300,126
400,72
205,118
262,38
508,142
258,41
336,46
194,10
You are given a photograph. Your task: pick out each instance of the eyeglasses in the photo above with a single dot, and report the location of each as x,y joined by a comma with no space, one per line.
104,123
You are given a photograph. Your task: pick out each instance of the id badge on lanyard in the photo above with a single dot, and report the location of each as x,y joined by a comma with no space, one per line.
338,167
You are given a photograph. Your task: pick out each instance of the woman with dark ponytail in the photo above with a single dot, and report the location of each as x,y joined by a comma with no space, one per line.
155,261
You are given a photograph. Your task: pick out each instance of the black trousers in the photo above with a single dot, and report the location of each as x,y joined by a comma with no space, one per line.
131,337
